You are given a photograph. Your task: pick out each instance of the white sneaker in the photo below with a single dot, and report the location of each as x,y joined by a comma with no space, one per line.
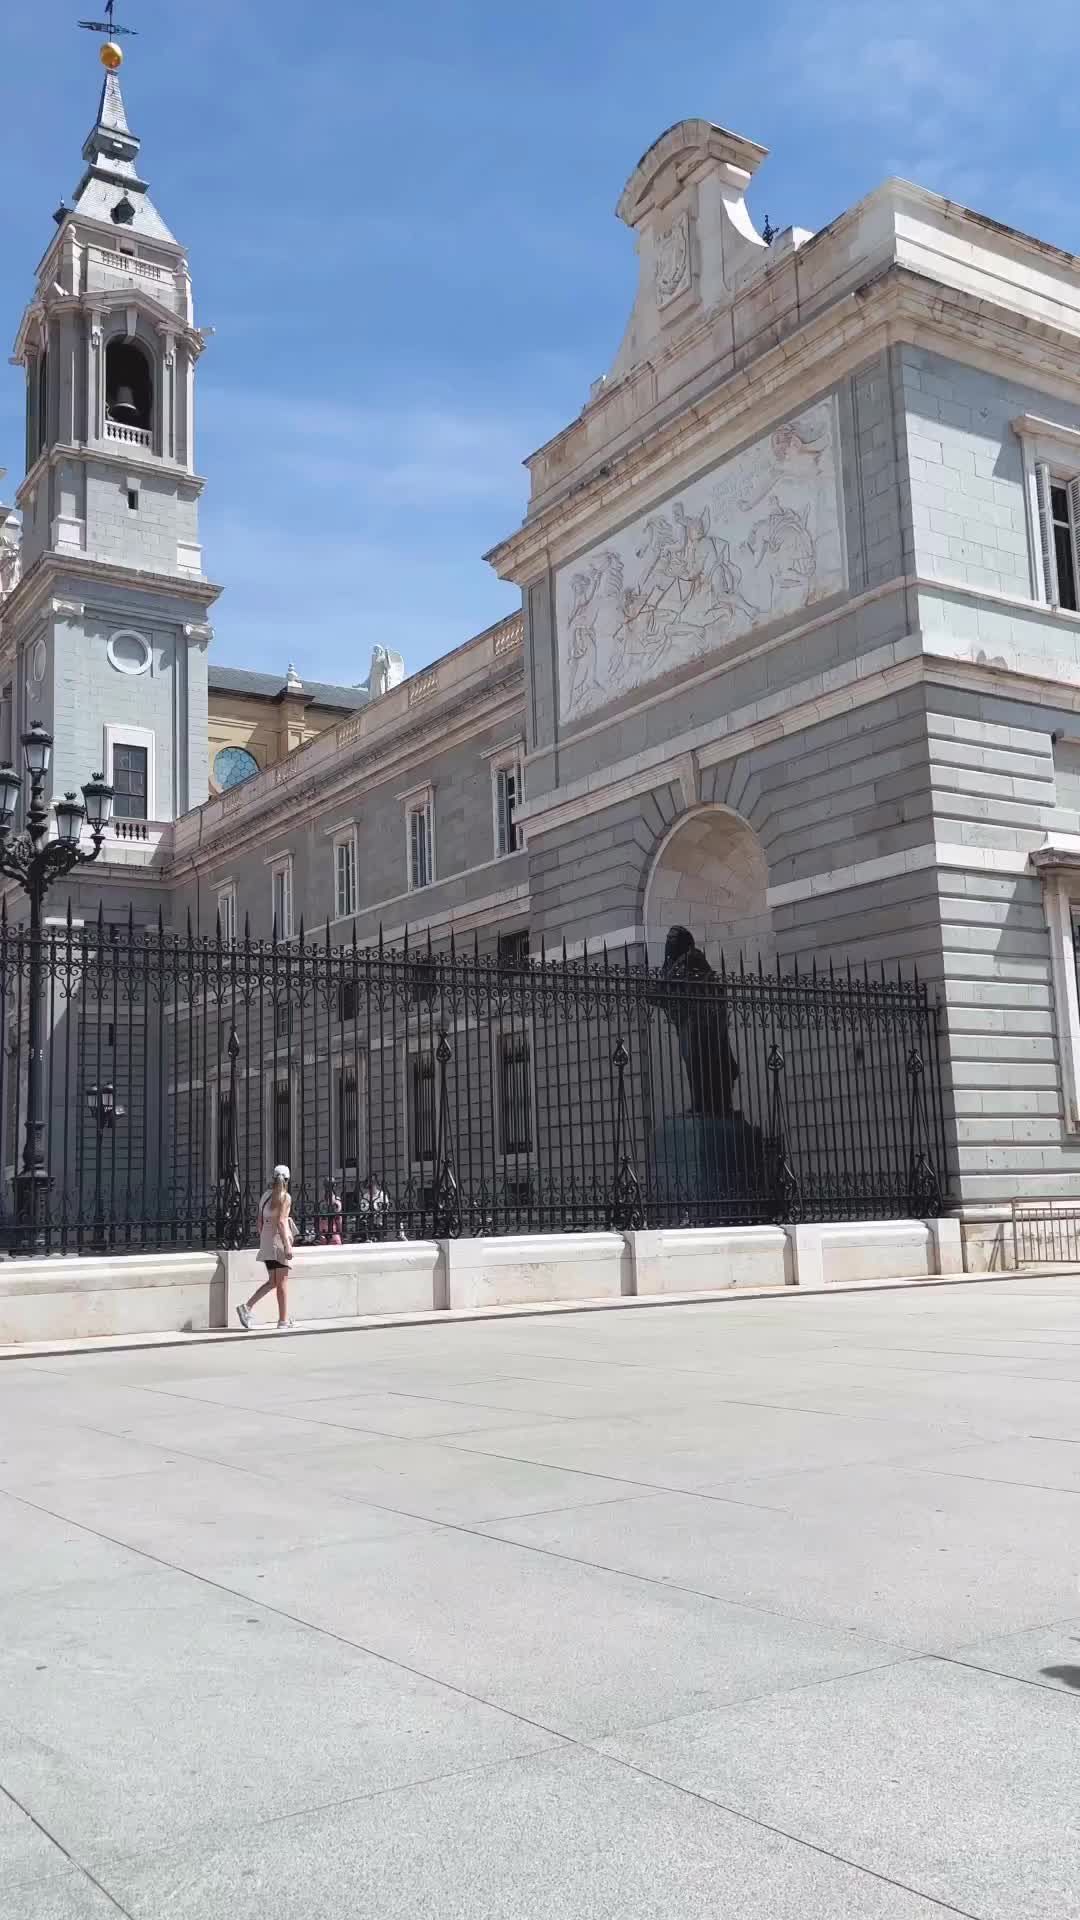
243,1314
285,1326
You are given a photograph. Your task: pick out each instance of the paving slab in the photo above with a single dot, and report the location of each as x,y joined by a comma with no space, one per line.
572,1646
27,1854
958,1783
199,1514
147,1745
1045,1656
841,1571
71,1897
692,1448
547,1839
41,1550
811,1560
442,1482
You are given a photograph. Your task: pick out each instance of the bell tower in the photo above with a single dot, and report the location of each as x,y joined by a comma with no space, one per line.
104,636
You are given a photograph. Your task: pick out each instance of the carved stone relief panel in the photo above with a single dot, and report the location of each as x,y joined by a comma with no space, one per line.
753,542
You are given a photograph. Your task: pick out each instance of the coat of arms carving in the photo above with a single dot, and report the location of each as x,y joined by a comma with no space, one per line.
673,261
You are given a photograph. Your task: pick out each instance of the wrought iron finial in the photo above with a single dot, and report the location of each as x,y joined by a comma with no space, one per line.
769,232
112,55
109,25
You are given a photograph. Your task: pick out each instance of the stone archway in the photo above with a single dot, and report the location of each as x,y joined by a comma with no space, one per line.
710,874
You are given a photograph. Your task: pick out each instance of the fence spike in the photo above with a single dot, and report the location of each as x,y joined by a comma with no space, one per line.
69,919
301,934
247,929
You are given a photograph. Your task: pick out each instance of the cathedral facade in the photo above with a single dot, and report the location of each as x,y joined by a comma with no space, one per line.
797,666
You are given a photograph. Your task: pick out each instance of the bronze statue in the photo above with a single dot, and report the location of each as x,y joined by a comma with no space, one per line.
698,1011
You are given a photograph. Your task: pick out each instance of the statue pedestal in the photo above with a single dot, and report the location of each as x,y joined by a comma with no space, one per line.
712,1169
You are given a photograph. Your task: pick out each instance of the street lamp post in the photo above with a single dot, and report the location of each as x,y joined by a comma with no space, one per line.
35,860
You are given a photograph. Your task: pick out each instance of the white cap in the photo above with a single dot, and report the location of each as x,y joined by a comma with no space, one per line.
282,1173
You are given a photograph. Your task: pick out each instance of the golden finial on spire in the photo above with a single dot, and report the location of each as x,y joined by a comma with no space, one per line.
112,56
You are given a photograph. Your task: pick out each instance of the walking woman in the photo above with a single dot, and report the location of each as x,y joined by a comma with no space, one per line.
276,1233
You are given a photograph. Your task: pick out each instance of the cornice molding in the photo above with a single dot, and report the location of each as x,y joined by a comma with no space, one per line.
128,459
896,304
40,584
394,758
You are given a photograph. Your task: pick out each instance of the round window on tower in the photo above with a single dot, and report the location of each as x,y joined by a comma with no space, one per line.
232,766
128,652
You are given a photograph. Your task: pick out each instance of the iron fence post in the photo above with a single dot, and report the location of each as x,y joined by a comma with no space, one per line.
230,1215
447,1190
625,1211
923,1186
786,1191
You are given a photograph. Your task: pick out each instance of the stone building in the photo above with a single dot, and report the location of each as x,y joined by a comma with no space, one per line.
798,663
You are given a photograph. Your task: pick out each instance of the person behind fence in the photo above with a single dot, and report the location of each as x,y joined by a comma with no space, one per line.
276,1236
329,1224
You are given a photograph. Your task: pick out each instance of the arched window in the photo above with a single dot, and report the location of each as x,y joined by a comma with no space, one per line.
129,386
234,765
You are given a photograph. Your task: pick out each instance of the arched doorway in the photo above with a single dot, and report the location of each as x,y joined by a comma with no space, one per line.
710,874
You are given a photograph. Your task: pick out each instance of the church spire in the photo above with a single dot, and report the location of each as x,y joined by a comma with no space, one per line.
111,187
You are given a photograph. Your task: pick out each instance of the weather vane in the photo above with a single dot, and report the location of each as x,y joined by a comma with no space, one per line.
111,55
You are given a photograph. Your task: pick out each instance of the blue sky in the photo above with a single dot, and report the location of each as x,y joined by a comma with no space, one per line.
401,225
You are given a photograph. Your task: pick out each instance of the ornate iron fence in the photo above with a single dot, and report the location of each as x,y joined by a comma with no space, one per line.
421,1093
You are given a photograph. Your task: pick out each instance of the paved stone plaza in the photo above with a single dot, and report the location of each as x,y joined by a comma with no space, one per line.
749,1609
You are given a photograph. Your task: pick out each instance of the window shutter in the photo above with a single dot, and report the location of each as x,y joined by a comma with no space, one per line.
502,818
1046,535
1074,525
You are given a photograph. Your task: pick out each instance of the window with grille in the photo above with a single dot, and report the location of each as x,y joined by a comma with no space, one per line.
422,1107
282,1020
515,1094
513,948
421,848
129,770
345,877
1059,531
226,913
348,1001
507,792
281,899
282,1123
348,1105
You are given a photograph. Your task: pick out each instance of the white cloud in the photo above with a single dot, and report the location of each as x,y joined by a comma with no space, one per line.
947,96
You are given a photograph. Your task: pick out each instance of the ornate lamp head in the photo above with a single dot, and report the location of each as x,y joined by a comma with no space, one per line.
70,814
10,789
